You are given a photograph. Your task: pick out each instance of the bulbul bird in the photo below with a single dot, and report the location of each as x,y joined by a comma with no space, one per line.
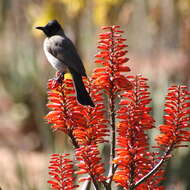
62,55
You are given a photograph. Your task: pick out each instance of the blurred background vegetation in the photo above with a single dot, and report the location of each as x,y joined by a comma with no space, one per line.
158,35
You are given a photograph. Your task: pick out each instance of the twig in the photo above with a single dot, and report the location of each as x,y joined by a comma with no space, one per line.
154,170
85,185
112,110
111,177
95,184
74,142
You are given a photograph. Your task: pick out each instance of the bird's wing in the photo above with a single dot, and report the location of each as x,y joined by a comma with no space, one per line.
64,50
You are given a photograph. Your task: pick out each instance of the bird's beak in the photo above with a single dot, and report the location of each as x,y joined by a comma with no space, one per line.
40,27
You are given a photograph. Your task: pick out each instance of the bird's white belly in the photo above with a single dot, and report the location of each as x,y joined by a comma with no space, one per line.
56,63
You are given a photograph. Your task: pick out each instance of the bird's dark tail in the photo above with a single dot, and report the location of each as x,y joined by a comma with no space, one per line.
82,95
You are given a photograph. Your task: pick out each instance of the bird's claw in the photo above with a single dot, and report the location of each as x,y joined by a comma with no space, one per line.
56,81
59,77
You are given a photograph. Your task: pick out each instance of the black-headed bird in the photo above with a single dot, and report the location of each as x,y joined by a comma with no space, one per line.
62,55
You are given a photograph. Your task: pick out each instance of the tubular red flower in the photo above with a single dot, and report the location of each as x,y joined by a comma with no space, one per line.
133,158
84,125
110,78
95,129
112,56
61,172
89,163
63,104
175,130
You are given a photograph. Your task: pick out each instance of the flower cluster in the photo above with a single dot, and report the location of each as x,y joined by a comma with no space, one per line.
61,171
121,118
175,130
95,129
84,125
135,119
63,105
112,53
89,163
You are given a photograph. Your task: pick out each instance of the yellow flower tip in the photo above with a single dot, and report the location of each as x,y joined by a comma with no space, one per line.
67,76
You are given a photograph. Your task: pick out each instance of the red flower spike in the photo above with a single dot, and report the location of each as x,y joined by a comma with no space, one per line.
59,99
84,125
65,112
133,159
61,172
175,130
111,56
95,130
89,163
111,77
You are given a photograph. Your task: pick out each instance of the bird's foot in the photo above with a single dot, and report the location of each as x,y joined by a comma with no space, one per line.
59,77
57,80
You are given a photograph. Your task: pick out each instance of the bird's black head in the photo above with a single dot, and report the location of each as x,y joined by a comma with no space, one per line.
51,28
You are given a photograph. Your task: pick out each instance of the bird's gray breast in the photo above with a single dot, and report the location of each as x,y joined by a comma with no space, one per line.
53,51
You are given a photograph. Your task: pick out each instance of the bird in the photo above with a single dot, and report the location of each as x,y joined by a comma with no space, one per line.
63,56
